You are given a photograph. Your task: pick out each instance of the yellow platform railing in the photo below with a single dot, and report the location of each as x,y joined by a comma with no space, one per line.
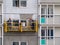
5,26
12,27
29,27
20,27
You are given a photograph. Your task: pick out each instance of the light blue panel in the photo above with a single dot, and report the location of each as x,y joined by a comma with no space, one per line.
43,41
42,19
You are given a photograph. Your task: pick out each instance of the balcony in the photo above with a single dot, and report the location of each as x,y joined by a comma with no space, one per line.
16,26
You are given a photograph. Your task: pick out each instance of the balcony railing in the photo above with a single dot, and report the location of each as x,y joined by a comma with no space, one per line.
21,27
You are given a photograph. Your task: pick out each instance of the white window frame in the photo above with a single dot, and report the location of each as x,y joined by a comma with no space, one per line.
46,32
20,42
20,3
24,41
14,4
50,33
45,9
44,28
16,41
49,8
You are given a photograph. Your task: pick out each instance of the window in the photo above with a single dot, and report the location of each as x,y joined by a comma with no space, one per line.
23,3
19,43
47,10
50,9
47,33
15,43
16,3
23,43
43,10
50,33
42,32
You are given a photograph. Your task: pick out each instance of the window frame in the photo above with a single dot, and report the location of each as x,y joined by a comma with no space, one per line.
25,42
47,10
20,42
44,12
43,37
15,5
48,35
19,4
16,42
50,9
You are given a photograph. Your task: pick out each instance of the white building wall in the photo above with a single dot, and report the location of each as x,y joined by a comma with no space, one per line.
15,12
57,10
49,0
31,7
57,32
0,9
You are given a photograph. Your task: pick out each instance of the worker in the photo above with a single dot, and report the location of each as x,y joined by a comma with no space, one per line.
9,24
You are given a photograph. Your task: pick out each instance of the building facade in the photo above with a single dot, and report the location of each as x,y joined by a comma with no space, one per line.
49,13
20,32
30,22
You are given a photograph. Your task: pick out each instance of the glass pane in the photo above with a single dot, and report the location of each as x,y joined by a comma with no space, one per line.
15,43
50,33
43,9
23,43
23,3
42,32
50,9
16,3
